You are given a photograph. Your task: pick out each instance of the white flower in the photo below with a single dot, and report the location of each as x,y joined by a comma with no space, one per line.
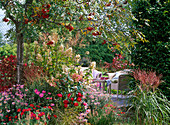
93,64
87,52
39,57
68,51
35,42
77,56
61,48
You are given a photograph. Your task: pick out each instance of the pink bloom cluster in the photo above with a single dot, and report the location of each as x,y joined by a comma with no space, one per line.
76,77
38,93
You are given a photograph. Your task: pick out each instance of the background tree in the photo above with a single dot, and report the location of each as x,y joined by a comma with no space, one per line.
153,22
106,20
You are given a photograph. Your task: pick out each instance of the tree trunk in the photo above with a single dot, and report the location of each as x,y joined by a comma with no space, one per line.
20,48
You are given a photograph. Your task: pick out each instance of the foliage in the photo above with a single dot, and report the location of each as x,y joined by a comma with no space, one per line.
72,16
153,21
118,63
102,110
16,102
94,50
149,81
7,50
66,117
149,107
7,72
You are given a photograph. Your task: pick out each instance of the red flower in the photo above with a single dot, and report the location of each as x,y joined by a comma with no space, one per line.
43,11
104,42
22,113
29,109
45,16
78,99
114,44
72,99
32,105
96,33
48,6
16,117
59,95
25,64
79,94
76,104
69,27
19,110
6,116
108,4
33,115
69,95
26,21
65,105
49,116
37,118
49,107
90,28
89,18
24,110
49,43
38,106
10,119
55,116
65,102
5,20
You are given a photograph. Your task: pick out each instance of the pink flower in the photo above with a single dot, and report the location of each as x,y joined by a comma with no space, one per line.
84,104
37,118
59,95
52,104
41,95
37,92
43,91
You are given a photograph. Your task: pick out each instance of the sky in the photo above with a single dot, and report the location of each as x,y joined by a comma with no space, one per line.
3,25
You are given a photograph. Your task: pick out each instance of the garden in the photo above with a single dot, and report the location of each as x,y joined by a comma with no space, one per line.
47,64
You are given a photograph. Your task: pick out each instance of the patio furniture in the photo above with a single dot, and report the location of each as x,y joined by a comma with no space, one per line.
120,83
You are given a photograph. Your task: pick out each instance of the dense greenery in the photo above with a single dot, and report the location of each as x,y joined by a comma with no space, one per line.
153,21
98,51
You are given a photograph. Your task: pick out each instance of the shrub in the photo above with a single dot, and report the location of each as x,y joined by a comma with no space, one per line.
97,51
118,63
150,106
7,50
153,22
7,72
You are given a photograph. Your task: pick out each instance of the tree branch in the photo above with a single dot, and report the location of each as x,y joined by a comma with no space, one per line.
8,14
